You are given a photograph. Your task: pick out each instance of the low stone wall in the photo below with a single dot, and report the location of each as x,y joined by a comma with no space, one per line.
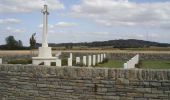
18,82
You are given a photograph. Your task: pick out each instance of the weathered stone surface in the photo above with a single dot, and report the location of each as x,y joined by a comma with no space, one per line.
18,82
122,81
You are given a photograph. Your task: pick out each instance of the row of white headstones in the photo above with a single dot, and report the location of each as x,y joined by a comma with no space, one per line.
95,59
90,60
132,62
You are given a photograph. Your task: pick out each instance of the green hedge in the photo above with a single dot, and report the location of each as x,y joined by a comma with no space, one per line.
20,61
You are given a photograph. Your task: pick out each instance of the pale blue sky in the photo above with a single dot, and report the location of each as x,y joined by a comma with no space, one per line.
87,20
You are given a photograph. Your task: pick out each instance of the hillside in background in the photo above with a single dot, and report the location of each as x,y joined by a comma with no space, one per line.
130,43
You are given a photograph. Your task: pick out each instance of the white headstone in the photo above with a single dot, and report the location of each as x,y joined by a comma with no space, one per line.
98,58
104,56
132,62
77,60
94,60
70,63
137,58
0,60
71,55
58,62
101,58
125,66
84,60
89,61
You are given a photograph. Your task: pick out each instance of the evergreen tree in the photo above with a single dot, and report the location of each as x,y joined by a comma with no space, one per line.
33,41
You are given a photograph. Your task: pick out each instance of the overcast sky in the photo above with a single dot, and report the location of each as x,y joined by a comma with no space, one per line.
86,20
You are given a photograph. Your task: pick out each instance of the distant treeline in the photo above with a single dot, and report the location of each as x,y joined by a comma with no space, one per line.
13,44
130,43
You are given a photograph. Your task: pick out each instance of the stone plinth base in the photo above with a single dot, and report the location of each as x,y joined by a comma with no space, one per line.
44,56
46,61
45,52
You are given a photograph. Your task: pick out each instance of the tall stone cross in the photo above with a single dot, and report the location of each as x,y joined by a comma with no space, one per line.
45,26
45,52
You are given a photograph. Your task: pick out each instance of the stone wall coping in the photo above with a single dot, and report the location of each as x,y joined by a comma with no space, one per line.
87,72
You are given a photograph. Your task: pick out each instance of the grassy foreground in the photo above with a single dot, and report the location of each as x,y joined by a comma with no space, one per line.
113,64
145,64
156,64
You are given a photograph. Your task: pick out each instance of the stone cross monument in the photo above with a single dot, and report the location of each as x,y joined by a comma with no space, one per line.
45,54
45,26
45,51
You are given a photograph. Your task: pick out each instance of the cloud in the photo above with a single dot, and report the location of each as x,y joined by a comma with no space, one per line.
66,24
10,30
10,21
100,33
124,13
18,6
69,36
60,25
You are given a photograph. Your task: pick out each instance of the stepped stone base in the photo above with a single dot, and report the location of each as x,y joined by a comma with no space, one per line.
44,56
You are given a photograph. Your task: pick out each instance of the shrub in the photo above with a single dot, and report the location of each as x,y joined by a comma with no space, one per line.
64,62
105,60
20,61
74,63
53,63
80,65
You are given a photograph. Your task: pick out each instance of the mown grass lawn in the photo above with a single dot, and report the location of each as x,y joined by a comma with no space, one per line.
113,64
145,64
155,64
